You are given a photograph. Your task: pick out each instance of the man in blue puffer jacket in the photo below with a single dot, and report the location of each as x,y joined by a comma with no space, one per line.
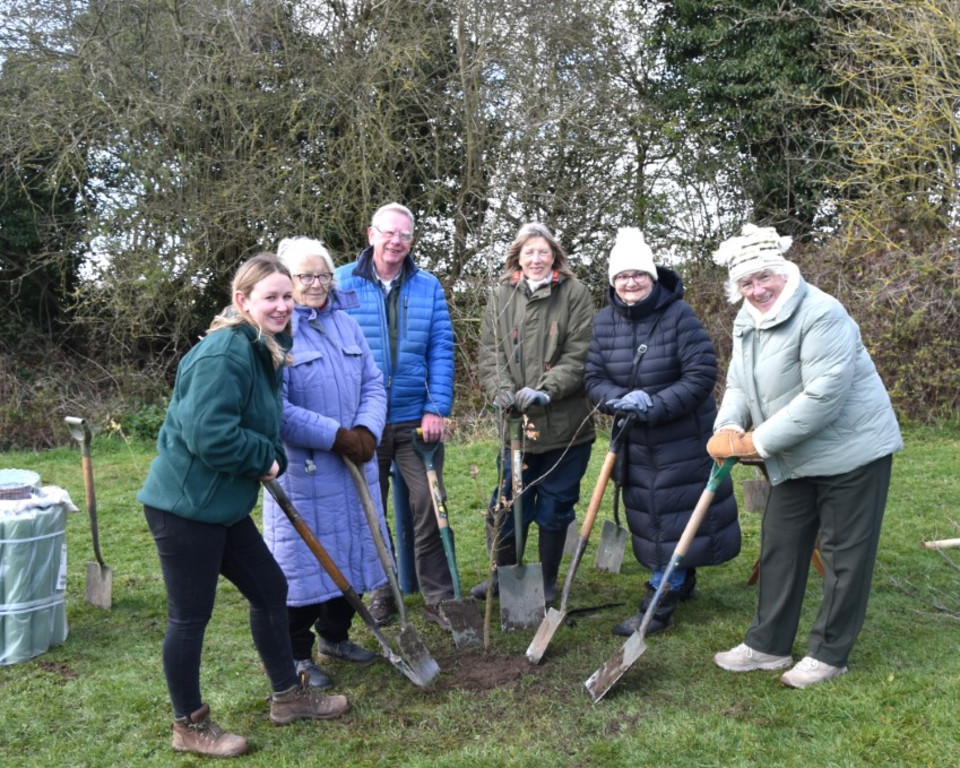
404,317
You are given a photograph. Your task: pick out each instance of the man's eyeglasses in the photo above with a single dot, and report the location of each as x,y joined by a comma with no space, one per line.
390,234
307,278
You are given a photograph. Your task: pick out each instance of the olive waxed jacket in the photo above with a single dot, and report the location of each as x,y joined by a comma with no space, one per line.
540,340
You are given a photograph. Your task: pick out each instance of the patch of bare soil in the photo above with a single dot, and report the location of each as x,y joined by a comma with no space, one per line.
481,671
60,670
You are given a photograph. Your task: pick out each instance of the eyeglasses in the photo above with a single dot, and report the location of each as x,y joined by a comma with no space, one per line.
307,278
626,277
390,234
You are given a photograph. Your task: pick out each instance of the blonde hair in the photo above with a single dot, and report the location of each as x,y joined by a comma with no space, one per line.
528,232
251,272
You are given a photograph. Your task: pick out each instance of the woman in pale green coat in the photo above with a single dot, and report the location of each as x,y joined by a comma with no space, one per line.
803,394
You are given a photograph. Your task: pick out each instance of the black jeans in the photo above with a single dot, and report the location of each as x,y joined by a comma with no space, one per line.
192,556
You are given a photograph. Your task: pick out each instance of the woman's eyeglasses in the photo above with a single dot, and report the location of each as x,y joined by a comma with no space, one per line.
307,278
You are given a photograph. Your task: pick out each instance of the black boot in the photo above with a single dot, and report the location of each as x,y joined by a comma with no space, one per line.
551,544
506,555
662,617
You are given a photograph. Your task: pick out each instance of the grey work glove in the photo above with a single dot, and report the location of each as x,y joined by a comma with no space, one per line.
637,402
529,396
503,399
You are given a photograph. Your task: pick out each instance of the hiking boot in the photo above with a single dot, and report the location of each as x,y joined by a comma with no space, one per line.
686,591
506,555
312,675
434,614
662,617
197,733
347,651
479,591
628,626
744,659
809,671
382,606
305,703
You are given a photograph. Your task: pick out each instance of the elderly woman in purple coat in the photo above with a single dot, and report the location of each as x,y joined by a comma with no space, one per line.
334,408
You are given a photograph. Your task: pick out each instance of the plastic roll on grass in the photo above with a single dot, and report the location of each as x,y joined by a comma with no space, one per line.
32,574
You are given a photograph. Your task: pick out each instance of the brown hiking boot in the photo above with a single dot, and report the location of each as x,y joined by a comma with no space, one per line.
197,733
305,703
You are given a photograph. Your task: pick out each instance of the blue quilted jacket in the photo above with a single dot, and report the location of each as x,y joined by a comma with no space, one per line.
421,381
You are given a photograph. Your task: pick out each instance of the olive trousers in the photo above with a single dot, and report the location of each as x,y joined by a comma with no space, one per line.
846,510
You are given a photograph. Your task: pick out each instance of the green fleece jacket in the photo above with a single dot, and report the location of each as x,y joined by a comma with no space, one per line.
221,432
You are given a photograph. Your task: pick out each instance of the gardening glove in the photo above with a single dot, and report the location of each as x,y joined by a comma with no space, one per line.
729,442
503,399
529,396
637,402
368,443
347,443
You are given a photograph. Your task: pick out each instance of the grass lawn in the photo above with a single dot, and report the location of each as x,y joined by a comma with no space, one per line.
100,699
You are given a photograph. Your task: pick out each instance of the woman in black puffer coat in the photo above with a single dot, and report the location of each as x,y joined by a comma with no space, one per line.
650,355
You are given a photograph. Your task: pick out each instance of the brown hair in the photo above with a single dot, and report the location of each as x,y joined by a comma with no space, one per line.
528,232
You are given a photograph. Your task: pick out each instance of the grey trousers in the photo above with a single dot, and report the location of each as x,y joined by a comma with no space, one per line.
847,511
396,445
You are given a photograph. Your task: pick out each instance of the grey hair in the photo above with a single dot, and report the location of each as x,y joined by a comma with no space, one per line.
394,208
292,250
732,287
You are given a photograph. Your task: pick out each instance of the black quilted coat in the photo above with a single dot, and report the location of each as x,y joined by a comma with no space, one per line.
664,465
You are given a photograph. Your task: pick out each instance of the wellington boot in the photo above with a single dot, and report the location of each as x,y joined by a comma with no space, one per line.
506,555
198,734
550,546
305,703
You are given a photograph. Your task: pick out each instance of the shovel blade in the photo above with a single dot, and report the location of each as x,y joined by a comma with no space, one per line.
466,623
521,596
417,656
610,548
99,589
548,628
606,677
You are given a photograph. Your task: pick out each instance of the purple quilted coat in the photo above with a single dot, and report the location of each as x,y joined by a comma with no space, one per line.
333,382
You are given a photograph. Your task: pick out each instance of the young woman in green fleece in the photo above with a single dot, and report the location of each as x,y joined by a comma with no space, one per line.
219,440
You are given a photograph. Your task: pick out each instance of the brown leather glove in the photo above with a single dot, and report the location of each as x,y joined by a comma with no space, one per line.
368,442
729,442
349,445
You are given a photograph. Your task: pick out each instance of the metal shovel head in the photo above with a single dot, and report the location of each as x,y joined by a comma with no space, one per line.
99,588
521,596
466,623
573,536
606,677
415,653
548,628
610,548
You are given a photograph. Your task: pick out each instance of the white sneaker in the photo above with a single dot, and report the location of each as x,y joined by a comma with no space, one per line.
809,671
744,659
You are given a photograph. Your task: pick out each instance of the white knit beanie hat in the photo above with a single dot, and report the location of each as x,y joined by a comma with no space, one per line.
753,250
631,252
